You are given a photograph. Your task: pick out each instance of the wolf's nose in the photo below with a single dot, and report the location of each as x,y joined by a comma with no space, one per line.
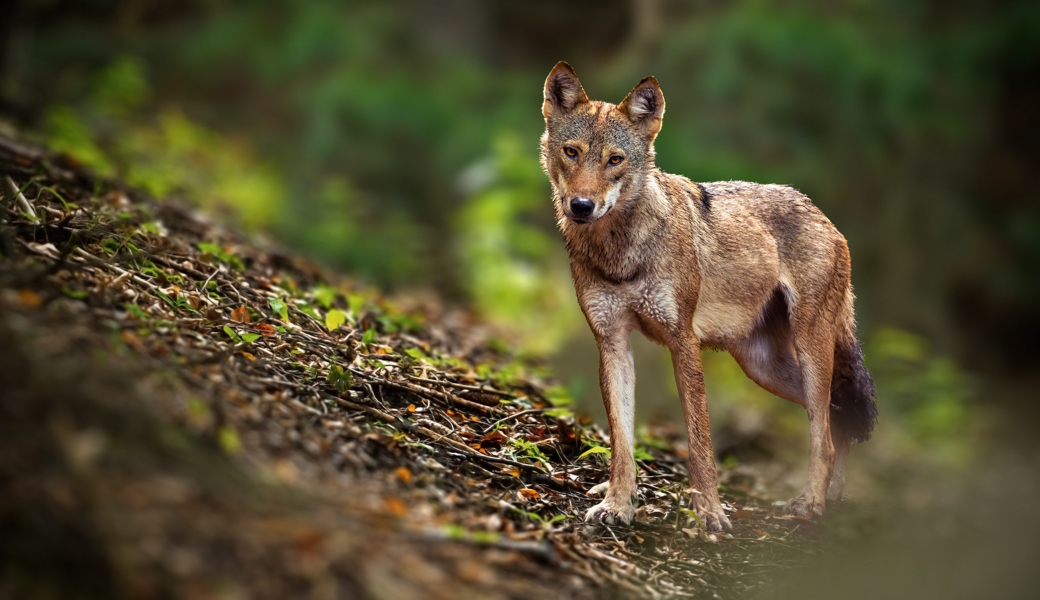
582,207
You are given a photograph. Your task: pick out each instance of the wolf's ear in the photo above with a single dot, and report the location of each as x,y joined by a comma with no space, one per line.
644,107
562,91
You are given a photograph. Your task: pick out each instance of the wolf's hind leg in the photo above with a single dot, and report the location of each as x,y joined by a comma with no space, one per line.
842,445
816,357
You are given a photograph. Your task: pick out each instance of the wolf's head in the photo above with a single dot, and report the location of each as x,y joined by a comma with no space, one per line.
597,154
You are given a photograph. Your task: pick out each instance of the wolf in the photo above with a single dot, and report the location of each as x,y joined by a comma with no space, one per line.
753,269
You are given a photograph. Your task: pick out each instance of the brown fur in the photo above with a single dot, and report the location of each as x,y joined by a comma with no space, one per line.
753,269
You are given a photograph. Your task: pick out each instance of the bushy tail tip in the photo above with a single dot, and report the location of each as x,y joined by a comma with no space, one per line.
853,406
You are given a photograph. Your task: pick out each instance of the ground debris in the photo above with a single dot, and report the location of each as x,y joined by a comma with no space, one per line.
430,466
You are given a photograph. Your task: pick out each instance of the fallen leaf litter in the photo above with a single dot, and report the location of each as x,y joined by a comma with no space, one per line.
325,387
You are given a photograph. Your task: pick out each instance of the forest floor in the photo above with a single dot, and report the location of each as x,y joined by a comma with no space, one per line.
191,413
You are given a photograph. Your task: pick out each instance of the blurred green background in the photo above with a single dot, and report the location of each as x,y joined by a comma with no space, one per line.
398,141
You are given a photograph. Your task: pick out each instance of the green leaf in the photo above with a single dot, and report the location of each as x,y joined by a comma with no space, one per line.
334,319
356,304
279,307
454,532
220,254
595,450
166,298
310,311
209,248
229,440
530,449
559,396
557,413
530,515
231,334
642,454
249,338
417,354
368,337
689,513
136,311
324,295
486,537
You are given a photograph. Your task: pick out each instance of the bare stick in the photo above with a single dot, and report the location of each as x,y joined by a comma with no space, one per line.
12,192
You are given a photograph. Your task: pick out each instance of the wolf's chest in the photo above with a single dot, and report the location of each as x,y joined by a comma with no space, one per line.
643,301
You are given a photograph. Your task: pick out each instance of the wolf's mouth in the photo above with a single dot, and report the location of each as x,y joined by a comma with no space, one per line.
587,220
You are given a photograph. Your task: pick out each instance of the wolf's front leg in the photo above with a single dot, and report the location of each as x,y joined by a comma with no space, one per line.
617,381
689,377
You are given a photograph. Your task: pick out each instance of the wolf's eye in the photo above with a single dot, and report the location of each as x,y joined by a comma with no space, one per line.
616,160
571,152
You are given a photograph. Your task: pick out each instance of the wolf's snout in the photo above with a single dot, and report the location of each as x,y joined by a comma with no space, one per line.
582,207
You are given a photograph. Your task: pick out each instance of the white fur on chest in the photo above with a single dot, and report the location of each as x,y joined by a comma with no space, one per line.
608,306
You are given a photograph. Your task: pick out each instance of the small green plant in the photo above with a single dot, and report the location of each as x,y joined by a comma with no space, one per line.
220,254
241,338
178,303
340,377
602,450
529,450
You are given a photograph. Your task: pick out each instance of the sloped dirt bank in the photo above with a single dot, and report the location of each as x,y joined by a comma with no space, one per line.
188,414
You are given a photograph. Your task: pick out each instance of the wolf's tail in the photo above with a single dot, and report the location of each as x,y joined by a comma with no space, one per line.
853,409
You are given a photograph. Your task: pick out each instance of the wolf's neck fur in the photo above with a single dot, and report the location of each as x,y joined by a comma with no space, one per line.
617,247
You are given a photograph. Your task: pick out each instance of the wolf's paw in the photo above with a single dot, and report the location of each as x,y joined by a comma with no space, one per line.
714,518
609,511
806,505
599,490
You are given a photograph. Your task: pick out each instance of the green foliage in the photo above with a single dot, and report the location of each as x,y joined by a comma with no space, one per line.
930,396
641,453
165,154
134,310
595,450
526,449
280,308
515,271
229,440
219,253
408,161
334,319
340,377
241,338
559,396
324,296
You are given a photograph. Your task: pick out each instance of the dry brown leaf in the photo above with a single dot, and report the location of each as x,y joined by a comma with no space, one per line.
29,298
264,329
240,315
510,470
395,507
